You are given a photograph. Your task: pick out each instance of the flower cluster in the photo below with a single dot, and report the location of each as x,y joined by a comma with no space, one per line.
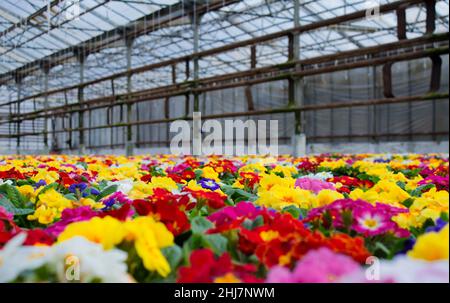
215,219
359,216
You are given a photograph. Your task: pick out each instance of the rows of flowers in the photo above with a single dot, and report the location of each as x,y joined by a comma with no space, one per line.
327,218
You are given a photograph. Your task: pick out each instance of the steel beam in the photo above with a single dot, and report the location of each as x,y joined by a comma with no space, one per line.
254,41
265,74
315,107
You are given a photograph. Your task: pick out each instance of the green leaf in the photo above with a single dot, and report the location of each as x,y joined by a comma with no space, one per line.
102,185
444,216
383,248
259,221
23,182
419,190
198,173
237,194
247,224
200,224
173,254
47,187
228,190
71,197
408,202
194,242
11,208
13,195
428,223
107,191
293,210
347,218
216,242
242,195
402,185
83,164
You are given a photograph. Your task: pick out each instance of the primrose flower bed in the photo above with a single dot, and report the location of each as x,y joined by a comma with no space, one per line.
328,218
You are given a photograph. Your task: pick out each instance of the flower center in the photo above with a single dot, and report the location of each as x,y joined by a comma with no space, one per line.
371,223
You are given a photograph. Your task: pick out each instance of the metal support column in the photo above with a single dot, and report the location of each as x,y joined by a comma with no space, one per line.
129,144
299,137
197,137
18,79
81,56
46,69
196,19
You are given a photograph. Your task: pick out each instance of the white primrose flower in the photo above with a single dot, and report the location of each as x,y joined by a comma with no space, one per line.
403,269
320,176
76,259
125,186
9,182
92,260
15,258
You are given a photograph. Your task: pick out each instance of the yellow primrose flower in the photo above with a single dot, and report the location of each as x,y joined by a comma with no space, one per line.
326,196
141,190
269,181
287,171
47,176
150,236
439,198
164,182
92,203
384,192
253,168
369,196
333,164
429,206
209,173
44,215
238,184
29,192
193,185
279,197
398,177
432,246
106,231
128,171
412,184
52,198
50,206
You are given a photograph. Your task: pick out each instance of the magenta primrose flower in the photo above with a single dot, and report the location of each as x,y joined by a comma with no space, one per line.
232,213
317,266
441,183
367,219
69,216
372,222
315,185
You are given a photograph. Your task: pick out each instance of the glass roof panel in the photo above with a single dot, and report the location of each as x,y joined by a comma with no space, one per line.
64,26
33,29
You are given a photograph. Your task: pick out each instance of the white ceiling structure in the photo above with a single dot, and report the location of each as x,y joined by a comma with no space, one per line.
32,30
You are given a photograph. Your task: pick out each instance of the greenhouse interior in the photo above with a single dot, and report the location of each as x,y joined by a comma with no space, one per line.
222,141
